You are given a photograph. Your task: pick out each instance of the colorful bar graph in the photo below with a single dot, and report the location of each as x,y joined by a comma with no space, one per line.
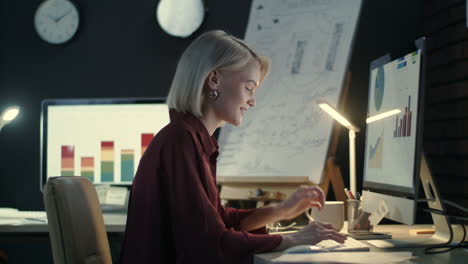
127,164
107,161
400,130
404,122
145,141
409,125
403,125
68,161
87,168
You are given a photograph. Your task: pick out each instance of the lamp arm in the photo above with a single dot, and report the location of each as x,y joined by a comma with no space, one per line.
352,161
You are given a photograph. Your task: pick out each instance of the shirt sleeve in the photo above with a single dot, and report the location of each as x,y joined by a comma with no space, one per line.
233,217
198,229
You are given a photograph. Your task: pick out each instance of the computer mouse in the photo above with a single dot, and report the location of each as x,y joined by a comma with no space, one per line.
304,249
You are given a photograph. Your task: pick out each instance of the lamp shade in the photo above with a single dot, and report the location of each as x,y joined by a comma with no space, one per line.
180,18
382,115
337,116
8,115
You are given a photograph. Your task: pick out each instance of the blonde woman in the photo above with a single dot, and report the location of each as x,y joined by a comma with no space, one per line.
175,214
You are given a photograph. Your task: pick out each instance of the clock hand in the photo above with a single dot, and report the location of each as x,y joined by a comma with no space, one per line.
51,17
62,16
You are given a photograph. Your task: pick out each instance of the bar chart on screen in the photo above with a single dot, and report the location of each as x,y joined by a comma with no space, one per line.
101,142
403,124
107,157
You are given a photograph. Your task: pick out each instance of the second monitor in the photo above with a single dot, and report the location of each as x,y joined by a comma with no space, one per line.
394,161
101,139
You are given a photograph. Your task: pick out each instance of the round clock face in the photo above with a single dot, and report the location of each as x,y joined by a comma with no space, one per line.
56,21
180,18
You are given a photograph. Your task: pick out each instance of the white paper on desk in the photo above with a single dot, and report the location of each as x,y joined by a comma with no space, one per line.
8,212
112,195
22,221
116,195
347,257
10,221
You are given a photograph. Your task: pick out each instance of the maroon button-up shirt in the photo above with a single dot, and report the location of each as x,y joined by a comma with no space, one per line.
175,214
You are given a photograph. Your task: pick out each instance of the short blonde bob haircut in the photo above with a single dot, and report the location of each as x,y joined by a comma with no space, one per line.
213,50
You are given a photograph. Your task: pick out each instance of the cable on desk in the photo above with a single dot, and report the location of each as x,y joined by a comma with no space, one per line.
456,219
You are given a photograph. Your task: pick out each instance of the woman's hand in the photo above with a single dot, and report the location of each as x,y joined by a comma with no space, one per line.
302,199
311,234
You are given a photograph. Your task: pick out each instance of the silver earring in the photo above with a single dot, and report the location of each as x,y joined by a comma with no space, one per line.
213,94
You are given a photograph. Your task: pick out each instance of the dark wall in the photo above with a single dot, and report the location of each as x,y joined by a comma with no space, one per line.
446,137
120,51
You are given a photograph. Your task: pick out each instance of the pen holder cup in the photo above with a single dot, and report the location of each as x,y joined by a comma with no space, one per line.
358,220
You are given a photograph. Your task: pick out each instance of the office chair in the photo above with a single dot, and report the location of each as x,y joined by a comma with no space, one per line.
76,226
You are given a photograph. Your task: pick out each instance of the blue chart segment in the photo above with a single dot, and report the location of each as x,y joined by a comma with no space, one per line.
379,88
403,125
127,164
375,153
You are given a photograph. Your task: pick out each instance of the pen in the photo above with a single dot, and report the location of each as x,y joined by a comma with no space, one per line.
346,193
349,194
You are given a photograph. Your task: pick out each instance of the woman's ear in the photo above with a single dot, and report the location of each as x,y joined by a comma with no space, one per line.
213,79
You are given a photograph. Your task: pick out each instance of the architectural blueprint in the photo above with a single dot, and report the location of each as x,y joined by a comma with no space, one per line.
286,134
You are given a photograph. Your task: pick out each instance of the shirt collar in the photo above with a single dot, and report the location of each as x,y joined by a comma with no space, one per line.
208,142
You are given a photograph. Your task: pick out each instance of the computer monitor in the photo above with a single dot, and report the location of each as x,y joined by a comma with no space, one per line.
394,164
101,139
392,148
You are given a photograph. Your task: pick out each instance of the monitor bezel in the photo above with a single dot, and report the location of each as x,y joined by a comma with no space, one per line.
419,44
81,101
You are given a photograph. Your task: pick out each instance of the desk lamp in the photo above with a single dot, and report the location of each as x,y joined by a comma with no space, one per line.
382,115
352,135
8,115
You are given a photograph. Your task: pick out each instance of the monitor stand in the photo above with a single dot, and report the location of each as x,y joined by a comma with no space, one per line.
442,235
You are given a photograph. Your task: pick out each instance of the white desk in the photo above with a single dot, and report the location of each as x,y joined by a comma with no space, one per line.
457,256
115,223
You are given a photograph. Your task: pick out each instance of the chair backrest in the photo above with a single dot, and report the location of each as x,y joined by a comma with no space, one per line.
76,226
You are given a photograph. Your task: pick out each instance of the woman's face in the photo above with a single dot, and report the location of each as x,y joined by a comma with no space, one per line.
237,93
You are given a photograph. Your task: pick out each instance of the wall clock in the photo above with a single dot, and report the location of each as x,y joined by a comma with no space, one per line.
56,21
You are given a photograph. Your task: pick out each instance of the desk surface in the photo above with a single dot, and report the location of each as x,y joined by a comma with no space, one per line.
114,223
398,231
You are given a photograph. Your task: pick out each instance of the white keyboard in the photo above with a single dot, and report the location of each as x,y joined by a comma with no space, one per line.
350,244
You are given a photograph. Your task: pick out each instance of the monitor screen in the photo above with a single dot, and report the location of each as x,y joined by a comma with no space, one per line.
101,139
392,153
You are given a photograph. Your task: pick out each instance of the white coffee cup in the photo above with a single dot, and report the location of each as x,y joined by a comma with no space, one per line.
332,213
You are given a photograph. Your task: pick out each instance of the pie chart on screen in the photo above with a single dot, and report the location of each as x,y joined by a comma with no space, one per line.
379,88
